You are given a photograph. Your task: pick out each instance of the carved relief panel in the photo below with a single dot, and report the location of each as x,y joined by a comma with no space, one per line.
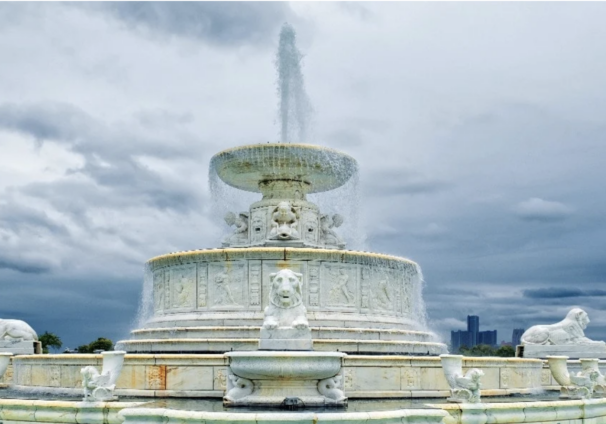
270,267
385,292
408,296
158,290
309,225
202,285
258,225
166,289
228,285
313,277
183,287
254,282
365,282
410,378
410,285
339,286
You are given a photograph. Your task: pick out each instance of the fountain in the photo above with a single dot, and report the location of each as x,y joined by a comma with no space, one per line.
282,315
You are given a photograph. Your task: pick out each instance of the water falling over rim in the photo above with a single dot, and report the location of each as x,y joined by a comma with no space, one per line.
245,167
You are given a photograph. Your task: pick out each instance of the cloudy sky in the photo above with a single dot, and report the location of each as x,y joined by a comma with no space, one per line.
479,130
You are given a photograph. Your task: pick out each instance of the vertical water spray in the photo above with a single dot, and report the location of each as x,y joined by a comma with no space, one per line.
295,108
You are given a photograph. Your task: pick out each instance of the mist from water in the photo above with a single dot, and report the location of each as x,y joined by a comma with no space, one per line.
295,109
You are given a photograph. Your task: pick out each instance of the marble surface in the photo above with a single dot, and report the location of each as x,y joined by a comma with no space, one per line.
372,301
572,351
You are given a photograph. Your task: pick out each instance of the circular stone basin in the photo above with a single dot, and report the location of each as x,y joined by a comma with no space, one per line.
246,166
260,365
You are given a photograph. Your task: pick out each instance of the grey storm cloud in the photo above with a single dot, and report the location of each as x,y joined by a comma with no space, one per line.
18,217
556,292
536,209
231,23
402,182
50,120
109,163
16,261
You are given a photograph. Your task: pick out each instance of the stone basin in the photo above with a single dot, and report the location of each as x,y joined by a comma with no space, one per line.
319,167
274,365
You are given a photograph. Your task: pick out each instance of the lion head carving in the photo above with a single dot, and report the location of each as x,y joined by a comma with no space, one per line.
286,291
578,315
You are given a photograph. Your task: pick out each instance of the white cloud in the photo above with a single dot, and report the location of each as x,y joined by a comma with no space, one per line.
536,209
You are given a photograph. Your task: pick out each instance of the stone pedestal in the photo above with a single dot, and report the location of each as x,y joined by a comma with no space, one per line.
269,378
597,350
28,347
285,338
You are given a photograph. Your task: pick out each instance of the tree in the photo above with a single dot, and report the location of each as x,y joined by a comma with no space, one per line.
100,344
506,351
478,350
487,350
50,340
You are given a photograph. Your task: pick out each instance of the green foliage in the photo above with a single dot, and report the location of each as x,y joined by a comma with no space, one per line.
100,344
50,340
486,350
506,351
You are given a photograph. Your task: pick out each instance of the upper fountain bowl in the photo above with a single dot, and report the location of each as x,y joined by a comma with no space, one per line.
319,168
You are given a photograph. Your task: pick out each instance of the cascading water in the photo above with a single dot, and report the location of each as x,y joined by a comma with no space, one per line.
295,108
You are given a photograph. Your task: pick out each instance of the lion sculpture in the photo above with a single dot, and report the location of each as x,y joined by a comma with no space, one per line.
286,307
285,326
16,330
569,331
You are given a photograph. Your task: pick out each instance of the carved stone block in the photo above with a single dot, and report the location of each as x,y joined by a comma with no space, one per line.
228,285
183,287
202,285
339,286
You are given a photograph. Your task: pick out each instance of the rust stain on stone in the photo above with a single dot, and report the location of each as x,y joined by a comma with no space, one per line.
156,377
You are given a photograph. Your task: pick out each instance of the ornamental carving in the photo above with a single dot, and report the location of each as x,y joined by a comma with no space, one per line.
202,285
183,287
158,290
342,287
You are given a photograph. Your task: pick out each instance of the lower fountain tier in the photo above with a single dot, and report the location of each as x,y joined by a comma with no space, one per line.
219,295
205,376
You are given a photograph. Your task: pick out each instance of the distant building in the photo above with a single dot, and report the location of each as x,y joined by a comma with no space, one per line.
517,336
488,337
460,338
473,336
473,324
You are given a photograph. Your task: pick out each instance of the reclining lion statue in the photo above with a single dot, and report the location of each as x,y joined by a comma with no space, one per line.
569,331
16,330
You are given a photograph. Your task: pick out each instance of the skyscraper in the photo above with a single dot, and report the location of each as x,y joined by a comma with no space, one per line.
473,336
473,326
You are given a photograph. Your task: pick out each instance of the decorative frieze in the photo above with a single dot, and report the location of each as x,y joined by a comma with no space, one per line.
228,284
258,226
411,378
339,285
365,286
183,287
202,285
314,284
255,283
158,284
